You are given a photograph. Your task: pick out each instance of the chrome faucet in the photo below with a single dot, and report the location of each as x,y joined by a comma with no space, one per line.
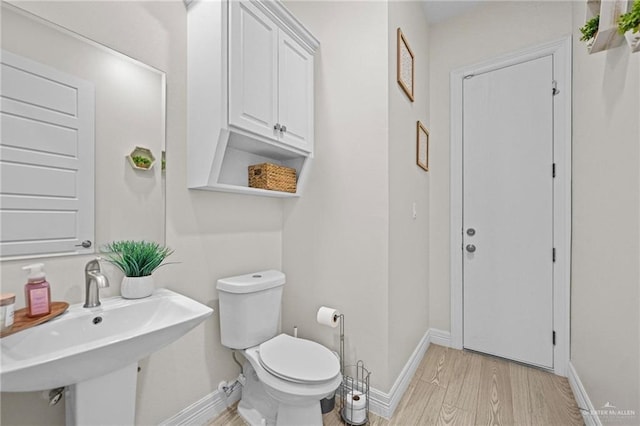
92,274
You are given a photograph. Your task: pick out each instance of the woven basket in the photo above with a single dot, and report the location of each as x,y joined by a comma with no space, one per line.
272,177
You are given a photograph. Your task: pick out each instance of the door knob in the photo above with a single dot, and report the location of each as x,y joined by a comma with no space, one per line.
283,129
84,244
471,248
471,232
277,127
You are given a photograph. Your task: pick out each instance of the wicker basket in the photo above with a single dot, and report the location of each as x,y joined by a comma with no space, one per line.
272,177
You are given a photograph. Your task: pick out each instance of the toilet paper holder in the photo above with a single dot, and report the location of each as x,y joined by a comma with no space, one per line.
354,390
354,394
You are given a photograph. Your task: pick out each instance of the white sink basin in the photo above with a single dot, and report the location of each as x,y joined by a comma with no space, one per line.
84,343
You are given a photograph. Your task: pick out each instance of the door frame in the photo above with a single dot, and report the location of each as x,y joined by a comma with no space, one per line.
561,52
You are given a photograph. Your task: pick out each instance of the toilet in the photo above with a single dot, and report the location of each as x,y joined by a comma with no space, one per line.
286,377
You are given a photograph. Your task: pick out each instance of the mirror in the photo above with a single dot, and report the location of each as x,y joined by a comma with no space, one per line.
129,118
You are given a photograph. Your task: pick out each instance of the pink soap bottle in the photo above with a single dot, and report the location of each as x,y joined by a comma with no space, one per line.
37,292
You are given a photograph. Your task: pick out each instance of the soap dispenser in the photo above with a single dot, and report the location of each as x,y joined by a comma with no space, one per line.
37,292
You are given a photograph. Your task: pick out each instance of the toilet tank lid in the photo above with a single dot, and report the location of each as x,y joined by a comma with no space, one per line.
250,283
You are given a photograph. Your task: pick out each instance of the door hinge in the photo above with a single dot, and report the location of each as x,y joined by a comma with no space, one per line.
554,338
554,88
554,254
553,170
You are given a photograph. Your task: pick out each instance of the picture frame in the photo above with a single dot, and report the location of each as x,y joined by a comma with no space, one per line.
405,65
422,147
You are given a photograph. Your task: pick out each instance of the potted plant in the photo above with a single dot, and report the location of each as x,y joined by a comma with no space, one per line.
589,30
629,25
137,260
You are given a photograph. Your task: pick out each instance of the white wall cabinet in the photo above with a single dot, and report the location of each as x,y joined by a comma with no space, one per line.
250,93
270,79
295,94
253,70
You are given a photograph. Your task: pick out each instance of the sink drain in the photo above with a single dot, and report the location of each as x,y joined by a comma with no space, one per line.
97,320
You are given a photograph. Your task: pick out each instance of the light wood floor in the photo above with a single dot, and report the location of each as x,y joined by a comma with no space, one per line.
453,387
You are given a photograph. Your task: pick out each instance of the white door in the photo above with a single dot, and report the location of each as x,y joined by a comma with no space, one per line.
253,70
46,160
295,94
508,212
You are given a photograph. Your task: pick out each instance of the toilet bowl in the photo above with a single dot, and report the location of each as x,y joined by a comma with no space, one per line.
296,374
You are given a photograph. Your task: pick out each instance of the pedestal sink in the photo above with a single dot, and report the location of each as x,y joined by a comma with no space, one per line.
94,352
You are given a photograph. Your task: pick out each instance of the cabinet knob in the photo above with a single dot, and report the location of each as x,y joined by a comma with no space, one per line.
283,129
277,127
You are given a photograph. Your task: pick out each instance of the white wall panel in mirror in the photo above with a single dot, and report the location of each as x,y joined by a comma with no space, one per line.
46,159
129,111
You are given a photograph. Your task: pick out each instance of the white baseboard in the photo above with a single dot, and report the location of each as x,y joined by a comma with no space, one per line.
439,337
589,413
204,410
384,404
380,403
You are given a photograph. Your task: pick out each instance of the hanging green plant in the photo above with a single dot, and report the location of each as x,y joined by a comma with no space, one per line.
590,28
630,21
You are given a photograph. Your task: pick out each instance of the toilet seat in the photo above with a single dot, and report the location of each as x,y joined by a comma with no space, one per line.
298,360
305,389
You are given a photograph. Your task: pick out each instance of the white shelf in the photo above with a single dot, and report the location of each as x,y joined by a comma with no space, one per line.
607,36
236,189
236,152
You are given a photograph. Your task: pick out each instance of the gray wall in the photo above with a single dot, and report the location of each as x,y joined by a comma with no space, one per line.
408,184
350,241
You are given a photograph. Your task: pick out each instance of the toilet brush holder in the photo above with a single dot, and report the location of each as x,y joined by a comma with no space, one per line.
328,404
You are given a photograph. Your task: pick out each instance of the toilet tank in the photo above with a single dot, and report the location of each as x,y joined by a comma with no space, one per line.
250,308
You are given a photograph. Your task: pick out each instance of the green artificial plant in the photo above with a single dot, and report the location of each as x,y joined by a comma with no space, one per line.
136,258
141,161
630,21
590,28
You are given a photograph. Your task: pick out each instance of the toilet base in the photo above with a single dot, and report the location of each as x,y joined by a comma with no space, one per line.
258,408
308,415
251,416
287,415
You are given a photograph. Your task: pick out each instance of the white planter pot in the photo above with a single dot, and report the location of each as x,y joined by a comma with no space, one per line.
136,287
590,42
633,40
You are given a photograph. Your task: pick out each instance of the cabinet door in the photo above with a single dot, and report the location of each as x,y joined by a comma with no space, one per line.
253,79
295,108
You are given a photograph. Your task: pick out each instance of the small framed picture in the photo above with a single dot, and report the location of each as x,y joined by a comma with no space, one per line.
422,147
405,65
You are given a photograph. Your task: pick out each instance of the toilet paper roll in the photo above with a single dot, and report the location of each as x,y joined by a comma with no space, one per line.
355,409
328,316
357,400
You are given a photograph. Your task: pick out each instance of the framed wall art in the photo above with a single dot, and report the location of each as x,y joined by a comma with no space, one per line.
422,147
406,65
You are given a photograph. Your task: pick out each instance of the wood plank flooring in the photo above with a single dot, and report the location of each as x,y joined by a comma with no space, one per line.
459,388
